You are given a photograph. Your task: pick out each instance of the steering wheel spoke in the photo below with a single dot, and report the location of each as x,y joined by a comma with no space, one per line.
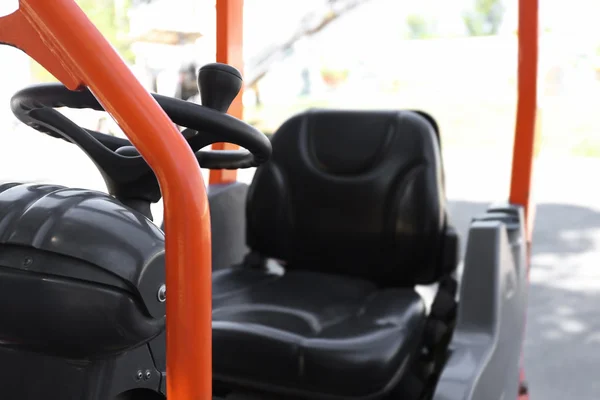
111,163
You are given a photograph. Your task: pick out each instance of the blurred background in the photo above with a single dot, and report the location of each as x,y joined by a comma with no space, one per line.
456,59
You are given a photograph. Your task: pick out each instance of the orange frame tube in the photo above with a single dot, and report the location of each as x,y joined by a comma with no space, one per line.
61,38
230,40
525,133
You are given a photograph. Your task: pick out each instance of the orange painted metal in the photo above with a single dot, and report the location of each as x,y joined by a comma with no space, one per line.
525,134
230,38
60,37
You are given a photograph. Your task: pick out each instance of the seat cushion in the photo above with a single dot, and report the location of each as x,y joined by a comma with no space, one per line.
312,333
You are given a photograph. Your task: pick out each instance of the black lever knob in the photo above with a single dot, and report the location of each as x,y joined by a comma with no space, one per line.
219,84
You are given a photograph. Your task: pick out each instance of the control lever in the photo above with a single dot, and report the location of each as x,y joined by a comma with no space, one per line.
219,84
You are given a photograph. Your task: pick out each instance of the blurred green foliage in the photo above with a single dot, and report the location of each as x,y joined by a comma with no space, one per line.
485,18
418,27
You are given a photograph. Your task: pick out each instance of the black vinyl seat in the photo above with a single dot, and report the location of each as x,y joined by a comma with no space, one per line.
352,206
314,332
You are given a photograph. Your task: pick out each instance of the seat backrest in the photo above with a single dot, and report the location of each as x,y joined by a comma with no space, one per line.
358,193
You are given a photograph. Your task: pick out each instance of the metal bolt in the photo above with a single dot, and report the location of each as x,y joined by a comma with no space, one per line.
162,293
27,262
139,375
148,374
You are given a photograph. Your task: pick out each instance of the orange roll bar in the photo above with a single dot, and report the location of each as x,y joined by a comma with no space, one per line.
60,37
525,134
230,40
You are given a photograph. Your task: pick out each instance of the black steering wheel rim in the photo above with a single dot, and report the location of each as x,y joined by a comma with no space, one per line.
127,175
212,126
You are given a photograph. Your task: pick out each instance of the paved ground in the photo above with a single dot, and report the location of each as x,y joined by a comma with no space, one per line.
563,334
562,349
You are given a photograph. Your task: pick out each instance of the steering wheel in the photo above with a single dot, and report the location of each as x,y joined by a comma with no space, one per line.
127,175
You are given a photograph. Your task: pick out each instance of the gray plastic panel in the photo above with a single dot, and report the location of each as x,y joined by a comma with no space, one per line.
486,346
228,221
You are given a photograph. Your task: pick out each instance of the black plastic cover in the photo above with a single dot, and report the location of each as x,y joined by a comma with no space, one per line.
76,263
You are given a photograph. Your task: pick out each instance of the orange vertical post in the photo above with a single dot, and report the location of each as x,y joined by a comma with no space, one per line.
230,36
61,38
524,150
525,133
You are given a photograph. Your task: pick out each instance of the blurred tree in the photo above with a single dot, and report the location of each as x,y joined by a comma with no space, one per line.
111,18
312,23
418,27
485,18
